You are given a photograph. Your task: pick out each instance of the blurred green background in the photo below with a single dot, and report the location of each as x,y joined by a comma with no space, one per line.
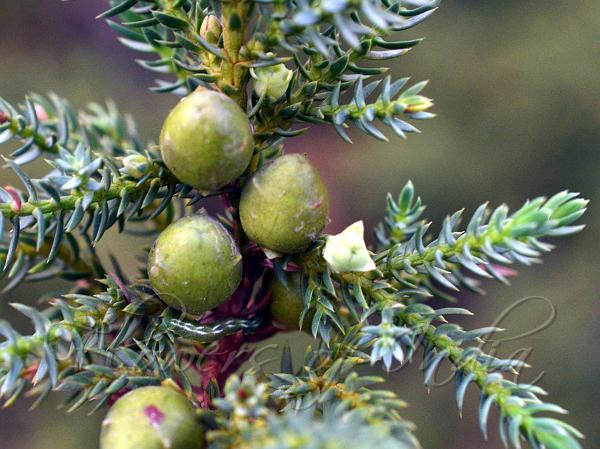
517,98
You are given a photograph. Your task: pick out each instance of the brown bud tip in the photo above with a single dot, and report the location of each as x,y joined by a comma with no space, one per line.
3,118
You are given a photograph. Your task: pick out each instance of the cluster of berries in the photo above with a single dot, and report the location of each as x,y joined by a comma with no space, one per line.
196,264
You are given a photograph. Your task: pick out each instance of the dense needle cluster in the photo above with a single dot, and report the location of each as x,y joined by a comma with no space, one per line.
162,347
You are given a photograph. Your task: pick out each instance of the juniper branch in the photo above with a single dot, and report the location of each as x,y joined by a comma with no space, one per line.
402,218
109,184
317,23
82,331
490,238
248,423
68,337
49,126
519,404
106,338
14,124
31,262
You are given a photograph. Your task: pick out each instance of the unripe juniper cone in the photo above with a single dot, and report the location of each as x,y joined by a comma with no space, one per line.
152,418
195,264
286,301
284,206
206,140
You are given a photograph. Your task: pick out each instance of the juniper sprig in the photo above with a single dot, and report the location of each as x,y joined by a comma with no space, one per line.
163,346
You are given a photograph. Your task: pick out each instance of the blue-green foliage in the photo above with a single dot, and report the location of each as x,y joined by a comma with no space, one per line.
109,334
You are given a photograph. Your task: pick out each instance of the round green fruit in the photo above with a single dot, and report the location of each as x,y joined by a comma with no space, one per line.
195,265
152,418
284,206
206,140
287,303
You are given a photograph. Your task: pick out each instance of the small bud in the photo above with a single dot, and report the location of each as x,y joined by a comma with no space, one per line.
41,113
211,29
347,251
271,81
15,198
417,103
135,165
255,46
